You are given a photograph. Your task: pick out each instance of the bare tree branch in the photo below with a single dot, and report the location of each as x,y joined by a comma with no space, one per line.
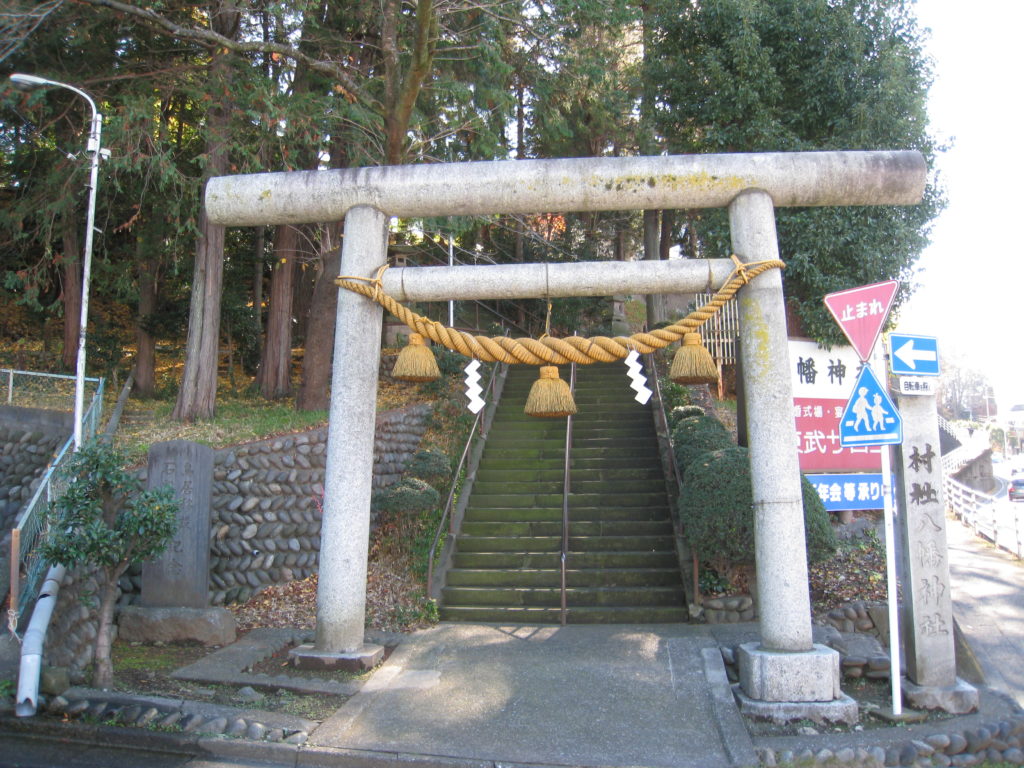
350,89
20,20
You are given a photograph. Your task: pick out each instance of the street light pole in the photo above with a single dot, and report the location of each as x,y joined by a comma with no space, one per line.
92,147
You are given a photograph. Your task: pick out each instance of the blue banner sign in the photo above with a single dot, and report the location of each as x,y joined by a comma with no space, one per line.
849,491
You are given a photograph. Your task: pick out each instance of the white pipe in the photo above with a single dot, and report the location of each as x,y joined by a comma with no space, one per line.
574,184
32,646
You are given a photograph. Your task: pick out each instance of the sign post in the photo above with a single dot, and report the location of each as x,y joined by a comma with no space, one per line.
871,418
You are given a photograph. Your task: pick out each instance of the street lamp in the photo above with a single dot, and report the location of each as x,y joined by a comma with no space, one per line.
92,147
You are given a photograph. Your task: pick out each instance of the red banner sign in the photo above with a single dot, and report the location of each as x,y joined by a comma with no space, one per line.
817,430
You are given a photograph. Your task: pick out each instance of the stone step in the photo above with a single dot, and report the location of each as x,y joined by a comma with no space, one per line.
526,544
640,453
652,474
552,596
548,560
662,614
576,527
605,463
502,434
515,500
574,577
576,514
580,483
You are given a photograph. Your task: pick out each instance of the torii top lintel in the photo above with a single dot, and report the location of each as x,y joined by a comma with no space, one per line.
577,184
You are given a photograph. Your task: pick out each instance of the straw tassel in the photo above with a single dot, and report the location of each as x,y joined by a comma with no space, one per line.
693,363
550,397
416,362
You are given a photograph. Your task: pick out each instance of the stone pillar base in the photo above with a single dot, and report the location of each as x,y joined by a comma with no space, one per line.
360,660
841,710
959,698
789,677
209,626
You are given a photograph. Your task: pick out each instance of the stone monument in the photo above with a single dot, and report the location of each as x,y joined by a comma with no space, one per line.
927,614
174,603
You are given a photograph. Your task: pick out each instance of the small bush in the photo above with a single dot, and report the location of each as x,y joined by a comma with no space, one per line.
408,495
694,436
431,466
716,511
681,412
673,395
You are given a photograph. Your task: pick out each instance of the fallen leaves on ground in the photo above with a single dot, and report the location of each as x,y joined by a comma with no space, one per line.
856,572
394,602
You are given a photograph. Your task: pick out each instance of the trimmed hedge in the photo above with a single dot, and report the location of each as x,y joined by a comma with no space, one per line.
681,412
696,435
408,495
716,511
428,465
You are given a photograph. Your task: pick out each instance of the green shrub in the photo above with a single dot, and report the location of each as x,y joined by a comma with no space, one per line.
716,511
694,436
104,519
431,466
673,395
681,412
408,495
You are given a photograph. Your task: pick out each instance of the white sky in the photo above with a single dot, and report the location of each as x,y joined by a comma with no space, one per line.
972,279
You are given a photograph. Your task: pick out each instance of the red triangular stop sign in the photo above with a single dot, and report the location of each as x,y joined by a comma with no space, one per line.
861,313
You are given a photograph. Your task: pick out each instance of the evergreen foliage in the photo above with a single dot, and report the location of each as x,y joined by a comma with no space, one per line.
429,466
716,511
104,519
681,412
694,436
409,495
801,75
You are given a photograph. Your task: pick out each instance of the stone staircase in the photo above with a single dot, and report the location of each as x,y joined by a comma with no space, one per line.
622,565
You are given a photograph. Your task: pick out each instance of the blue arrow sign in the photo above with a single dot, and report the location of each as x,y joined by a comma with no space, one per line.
913,355
870,417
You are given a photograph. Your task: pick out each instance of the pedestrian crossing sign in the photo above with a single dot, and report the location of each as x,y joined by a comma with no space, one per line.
870,416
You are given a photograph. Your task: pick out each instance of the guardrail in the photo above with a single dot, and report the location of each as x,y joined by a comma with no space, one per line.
1001,521
26,569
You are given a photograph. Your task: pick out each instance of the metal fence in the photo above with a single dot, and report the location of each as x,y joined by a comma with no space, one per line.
1001,521
51,392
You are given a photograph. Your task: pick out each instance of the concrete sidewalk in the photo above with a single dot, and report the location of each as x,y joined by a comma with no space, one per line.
576,695
988,601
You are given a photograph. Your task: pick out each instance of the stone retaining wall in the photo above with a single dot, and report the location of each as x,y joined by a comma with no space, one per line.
25,451
264,524
72,632
266,504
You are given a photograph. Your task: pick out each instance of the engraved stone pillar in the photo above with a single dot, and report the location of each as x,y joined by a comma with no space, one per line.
174,604
927,603
180,576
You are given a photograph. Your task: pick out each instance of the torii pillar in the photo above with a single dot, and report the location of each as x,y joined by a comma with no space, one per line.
785,667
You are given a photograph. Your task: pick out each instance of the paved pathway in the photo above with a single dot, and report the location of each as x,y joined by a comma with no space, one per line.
578,695
988,600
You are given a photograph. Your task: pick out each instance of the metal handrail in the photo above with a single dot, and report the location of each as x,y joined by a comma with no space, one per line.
673,479
651,364
446,515
566,489
492,307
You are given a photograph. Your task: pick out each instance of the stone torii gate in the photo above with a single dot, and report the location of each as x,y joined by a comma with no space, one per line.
787,666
